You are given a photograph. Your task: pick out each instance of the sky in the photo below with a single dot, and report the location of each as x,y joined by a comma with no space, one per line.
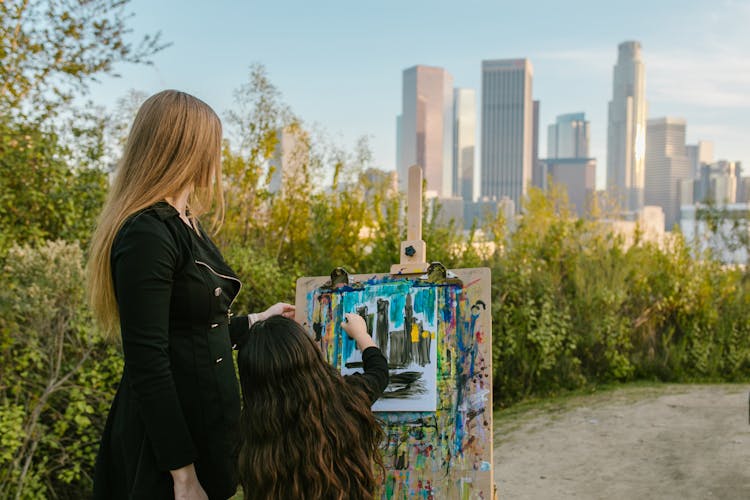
339,64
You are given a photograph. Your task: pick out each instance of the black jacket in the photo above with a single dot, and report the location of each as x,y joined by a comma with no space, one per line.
178,401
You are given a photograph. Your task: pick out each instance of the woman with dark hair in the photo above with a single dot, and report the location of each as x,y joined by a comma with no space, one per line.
306,431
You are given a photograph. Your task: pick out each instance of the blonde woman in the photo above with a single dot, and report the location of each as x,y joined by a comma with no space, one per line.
157,278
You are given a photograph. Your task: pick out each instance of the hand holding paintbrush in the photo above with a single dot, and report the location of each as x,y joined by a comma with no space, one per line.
354,326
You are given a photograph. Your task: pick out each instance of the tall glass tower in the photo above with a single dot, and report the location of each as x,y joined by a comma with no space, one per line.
626,134
465,172
568,137
426,128
507,129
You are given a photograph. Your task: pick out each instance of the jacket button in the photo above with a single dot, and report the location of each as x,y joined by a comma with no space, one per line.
219,360
217,292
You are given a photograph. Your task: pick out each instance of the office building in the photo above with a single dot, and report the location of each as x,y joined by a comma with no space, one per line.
465,169
626,130
569,137
666,166
577,176
426,128
568,164
537,167
719,182
698,155
507,129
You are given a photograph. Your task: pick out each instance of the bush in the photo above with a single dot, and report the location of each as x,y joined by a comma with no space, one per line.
57,378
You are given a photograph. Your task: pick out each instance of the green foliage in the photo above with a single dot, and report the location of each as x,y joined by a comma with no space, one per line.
57,376
574,305
41,196
50,51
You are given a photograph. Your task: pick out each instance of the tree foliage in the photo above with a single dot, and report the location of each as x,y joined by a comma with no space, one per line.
56,378
574,305
41,195
51,51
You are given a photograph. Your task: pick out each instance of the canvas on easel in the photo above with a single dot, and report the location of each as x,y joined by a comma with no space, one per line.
434,327
402,319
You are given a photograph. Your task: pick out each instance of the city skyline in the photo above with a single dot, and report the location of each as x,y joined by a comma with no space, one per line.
341,71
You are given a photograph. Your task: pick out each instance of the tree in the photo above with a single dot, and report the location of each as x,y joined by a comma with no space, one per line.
41,196
51,51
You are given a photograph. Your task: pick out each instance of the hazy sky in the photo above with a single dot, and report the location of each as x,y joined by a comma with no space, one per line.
339,64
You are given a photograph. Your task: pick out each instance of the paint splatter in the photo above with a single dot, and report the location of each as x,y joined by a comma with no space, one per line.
444,453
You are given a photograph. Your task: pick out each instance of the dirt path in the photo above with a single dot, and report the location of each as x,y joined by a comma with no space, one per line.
670,442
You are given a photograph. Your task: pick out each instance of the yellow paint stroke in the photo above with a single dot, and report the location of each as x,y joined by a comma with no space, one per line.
414,333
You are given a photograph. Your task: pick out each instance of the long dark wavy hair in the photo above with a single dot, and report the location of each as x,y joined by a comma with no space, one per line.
305,432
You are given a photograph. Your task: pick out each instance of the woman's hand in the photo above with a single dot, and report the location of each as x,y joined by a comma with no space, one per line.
354,326
186,484
278,309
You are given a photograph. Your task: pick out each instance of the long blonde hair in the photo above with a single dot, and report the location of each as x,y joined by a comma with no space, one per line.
173,144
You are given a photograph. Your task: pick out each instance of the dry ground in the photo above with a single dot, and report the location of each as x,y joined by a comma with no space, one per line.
664,442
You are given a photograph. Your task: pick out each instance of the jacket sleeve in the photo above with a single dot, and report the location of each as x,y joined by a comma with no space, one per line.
239,328
144,259
375,377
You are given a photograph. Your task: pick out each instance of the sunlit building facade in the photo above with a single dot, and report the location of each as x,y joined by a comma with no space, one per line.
666,166
507,129
465,171
425,128
568,137
626,131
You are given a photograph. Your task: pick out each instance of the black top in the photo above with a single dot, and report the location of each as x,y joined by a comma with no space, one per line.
375,376
178,401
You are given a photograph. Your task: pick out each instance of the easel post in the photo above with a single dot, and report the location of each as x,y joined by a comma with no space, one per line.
413,255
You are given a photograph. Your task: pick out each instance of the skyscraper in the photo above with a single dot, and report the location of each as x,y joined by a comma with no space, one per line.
568,137
507,129
626,134
465,171
699,154
537,167
568,163
666,166
719,182
426,131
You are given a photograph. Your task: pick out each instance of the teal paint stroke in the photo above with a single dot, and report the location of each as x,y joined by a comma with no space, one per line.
424,303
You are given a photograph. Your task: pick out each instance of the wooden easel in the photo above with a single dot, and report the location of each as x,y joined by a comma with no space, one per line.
413,254
447,452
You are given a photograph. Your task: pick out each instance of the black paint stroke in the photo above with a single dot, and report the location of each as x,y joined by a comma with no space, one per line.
383,324
422,347
404,385
400,348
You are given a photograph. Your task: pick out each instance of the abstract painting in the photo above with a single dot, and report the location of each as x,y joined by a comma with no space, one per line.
402,320
445,452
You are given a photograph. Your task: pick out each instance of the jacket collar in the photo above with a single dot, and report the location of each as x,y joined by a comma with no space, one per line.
164,210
